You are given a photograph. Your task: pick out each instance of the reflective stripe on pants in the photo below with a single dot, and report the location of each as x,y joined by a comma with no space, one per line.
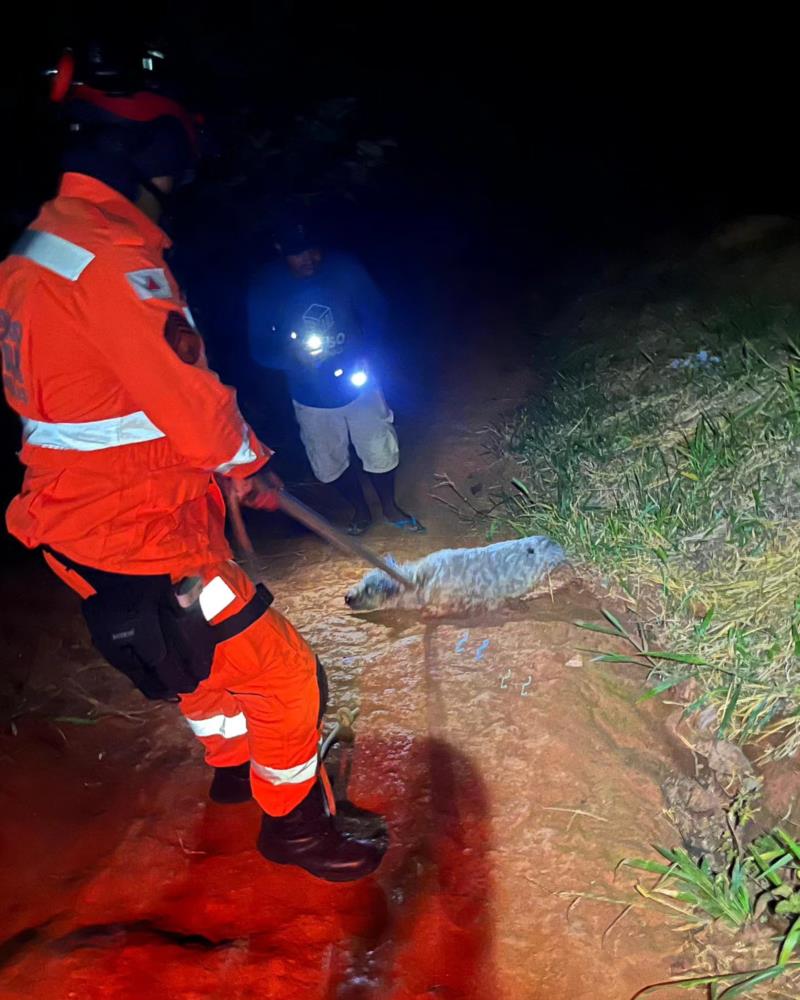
226,726
286,775
268,675
217,720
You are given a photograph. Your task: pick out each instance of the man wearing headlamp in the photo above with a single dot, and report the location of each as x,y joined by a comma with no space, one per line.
320,318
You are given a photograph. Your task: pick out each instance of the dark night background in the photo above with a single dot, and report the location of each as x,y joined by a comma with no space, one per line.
527,154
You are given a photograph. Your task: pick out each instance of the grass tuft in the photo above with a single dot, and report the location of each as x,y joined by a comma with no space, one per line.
762,887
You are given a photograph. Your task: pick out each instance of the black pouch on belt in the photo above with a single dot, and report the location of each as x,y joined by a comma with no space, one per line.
139,627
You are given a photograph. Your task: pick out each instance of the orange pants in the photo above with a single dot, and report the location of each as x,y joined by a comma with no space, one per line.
261,699
260,702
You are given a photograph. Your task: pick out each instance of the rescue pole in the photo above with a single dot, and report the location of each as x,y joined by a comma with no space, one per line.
315,522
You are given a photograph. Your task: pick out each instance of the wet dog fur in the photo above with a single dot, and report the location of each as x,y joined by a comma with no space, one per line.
461,580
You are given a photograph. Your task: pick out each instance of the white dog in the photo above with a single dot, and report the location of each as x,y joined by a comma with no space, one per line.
454,580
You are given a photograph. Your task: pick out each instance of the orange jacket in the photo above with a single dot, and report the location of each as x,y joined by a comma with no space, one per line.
123,422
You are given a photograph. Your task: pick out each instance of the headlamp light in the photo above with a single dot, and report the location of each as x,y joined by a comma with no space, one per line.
359,379
314,343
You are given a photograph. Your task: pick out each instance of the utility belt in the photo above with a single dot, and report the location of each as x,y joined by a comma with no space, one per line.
143,627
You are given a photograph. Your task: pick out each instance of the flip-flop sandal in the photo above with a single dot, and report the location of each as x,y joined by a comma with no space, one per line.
408,524
358,527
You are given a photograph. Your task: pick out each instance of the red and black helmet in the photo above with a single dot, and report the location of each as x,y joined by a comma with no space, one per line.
115,86
119,111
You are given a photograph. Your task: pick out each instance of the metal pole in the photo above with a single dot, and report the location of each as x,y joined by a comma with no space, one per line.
320,526
345,543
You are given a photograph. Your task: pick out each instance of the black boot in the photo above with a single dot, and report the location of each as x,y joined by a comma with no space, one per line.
308,838
231,785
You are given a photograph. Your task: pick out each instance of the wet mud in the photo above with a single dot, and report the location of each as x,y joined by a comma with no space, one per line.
514,772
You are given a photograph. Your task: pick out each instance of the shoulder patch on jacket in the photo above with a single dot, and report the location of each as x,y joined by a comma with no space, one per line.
150,283
183,338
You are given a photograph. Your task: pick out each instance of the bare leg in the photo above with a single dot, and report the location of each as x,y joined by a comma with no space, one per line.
384,487
349,486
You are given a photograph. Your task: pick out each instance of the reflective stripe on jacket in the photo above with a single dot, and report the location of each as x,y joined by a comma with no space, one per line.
122,430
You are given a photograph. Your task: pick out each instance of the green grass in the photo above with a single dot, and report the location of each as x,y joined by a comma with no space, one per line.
762,885
731,985
765,880
691,888
684,486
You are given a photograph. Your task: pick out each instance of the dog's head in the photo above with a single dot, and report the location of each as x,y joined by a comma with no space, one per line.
373,592
529,558
543,549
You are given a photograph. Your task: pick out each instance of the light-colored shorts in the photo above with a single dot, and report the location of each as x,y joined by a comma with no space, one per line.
367,422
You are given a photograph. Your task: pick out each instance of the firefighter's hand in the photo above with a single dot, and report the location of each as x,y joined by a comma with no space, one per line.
261,491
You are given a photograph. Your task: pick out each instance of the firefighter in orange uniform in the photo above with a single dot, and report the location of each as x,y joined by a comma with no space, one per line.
124,430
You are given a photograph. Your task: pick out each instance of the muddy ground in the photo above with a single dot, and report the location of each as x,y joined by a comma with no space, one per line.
515,774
